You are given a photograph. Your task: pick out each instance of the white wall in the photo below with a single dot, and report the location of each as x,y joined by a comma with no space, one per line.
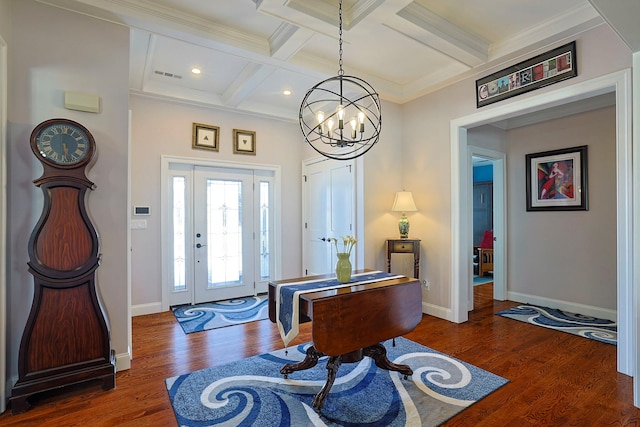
489,137
165,128
426,141
382,177
88,56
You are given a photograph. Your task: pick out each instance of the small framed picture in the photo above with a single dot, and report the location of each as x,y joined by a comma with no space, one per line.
205,137
557,180
244,142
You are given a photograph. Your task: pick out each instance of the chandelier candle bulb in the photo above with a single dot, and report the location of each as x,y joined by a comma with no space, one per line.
361,121
353,127
340,111
320,117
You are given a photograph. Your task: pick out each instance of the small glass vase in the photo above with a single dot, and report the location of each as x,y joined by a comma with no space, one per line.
343,267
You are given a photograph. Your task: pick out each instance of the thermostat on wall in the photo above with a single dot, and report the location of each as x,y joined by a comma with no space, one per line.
141,210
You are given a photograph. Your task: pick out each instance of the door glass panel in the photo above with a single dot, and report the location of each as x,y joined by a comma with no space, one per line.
264,230
224,232
179,235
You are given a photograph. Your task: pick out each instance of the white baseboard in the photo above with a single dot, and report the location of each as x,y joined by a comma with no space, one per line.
572,307
123,361
437,311
142,309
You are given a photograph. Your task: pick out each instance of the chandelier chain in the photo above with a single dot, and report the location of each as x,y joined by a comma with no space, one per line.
340,117
340,71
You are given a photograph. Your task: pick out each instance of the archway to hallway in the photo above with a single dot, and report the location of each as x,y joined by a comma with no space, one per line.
617,83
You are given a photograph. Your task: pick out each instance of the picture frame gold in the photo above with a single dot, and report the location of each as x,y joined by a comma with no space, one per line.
244,142
206,137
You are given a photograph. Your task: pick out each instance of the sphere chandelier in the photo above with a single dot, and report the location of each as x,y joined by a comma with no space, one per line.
340,117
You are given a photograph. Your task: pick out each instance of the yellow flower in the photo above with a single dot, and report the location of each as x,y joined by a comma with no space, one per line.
348,242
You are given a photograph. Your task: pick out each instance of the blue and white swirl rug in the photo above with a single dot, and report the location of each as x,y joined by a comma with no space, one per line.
252,392
585,326
201,317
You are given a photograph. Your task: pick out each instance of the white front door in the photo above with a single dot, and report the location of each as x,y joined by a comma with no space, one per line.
223,234
328,212
221,241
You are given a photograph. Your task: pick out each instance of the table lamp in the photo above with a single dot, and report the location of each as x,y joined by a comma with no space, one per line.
404,203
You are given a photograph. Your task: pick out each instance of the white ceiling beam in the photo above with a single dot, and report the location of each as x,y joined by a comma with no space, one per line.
622,16
287,40
557,28
420,24
247,82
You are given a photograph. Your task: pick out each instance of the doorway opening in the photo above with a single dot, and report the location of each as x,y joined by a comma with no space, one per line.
488,220
618,83
220,233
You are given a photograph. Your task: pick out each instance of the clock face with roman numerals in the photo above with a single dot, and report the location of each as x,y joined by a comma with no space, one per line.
62,142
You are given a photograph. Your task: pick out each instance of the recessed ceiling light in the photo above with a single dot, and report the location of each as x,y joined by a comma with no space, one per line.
196,70
286,92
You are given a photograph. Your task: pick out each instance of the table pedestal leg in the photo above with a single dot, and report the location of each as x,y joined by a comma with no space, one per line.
310,360
379,355
332,370
377,352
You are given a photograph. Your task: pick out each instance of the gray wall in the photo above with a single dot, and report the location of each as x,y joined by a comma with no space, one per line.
569,255
566,256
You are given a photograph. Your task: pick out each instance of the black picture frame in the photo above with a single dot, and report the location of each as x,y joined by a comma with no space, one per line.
557,180
542,70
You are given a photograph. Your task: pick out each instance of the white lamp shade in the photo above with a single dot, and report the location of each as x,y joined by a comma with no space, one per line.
404,202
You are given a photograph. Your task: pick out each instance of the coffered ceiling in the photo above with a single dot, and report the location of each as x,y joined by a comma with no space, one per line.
250,51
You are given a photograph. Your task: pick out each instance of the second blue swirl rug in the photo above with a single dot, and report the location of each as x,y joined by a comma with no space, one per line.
585,326
211,315
252,392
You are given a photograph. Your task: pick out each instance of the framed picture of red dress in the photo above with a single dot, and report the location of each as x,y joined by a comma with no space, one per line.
557,180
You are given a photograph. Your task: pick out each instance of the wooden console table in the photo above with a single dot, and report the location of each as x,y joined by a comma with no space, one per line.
405,246
351,322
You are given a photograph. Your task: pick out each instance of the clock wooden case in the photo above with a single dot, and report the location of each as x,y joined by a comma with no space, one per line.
66,339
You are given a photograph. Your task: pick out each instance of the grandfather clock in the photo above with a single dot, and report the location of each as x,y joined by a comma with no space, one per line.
66,339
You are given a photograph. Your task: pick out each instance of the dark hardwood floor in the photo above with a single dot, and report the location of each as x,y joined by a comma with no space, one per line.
556,379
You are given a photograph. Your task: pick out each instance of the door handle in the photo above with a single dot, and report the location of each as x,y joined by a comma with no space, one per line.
199,245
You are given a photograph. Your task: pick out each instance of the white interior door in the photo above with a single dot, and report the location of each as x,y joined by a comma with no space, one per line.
328,211
223,234
317,246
